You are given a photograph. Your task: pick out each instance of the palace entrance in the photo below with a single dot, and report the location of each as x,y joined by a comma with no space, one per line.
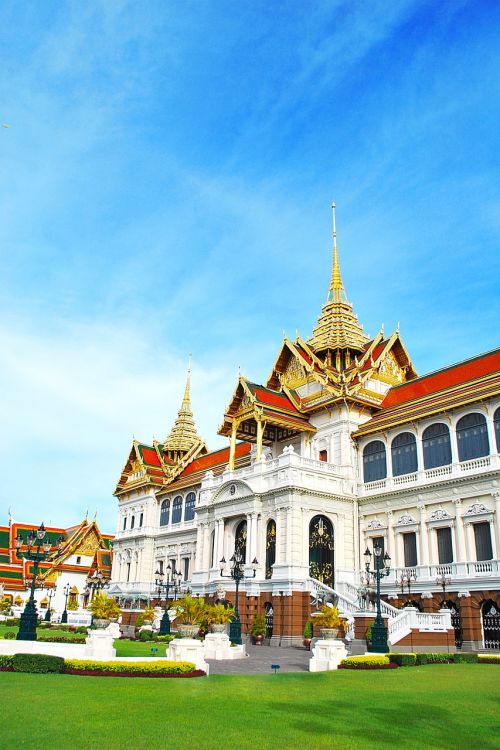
490,617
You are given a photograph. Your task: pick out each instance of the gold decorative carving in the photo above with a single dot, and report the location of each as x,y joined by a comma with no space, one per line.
246,401
295,373
89,545
390,370
137,467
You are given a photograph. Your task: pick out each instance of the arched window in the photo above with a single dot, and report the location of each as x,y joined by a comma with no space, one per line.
321,550
189,506
270,548
472,437
177,510
496,422
404,454
165,513
436,444
374,461
240,539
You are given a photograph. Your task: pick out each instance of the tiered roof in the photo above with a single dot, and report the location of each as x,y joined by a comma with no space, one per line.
183,437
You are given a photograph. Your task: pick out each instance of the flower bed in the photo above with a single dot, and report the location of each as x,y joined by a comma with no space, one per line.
61,638
42,663
488,659
163,675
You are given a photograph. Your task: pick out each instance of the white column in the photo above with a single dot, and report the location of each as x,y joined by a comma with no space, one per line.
496,497
460,555
220,540
424,541
493,539
391,539
280,533
470,544
198,556
206,546
288,512
252,547
453,444
420,453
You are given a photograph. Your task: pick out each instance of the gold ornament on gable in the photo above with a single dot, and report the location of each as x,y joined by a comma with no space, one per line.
295,374
390,370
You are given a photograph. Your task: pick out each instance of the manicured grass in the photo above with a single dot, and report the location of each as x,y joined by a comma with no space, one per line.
139,648
441,706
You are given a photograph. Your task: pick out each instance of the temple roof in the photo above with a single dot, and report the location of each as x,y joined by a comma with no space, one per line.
458,385
216,461
338,326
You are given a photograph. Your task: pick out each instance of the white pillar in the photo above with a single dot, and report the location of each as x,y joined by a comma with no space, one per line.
496,497
460,554
470,544
424,541
198,559
391,539
280,534
288,512
220,541
252,546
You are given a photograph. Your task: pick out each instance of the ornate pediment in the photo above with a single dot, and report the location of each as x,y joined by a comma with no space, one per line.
295,374
231,491
390,370
375,524
477,509
439,515
406,520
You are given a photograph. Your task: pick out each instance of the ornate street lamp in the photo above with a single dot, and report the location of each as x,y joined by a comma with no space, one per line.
50,594
382,568
406,579
66,592
173,582
38,549
444,582
96,582
237,574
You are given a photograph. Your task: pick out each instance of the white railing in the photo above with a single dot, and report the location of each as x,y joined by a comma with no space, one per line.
454,570
410,618
423,476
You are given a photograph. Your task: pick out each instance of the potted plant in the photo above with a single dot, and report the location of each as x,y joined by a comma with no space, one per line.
189,611
308,634
258,629
149,615
329,620
104,609
218,616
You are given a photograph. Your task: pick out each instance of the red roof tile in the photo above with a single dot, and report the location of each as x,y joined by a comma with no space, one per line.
274,399
150,456
486,364
215,459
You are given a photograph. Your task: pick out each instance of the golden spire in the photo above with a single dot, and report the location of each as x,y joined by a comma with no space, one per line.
338,327
183,435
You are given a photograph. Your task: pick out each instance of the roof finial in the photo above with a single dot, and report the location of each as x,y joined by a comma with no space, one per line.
187,390
336,292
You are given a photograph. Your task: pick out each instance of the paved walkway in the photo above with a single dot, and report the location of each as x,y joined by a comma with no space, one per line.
260,658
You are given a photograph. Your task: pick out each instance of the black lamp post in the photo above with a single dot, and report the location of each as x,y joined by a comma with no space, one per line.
444,582
39,547
173,581
382,568
50,594
237,574
96,582
66,592
405,580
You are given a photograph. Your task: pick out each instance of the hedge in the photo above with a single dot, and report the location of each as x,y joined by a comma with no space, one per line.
6,661
75,666
146,635
465,658
61,638
366,662
434,658
488,659
9,635
40,663
403,660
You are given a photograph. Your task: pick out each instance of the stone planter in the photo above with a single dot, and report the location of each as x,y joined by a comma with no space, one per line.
218,627
307,643
100,623
258,639
188,631
330,633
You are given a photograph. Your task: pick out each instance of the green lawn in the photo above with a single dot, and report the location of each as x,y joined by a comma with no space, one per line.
139,648
40,631
439,706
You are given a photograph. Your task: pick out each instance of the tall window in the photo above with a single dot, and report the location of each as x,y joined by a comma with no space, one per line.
374,461
410,549
436,444
404,454
160,567
189,506
240,539
124,523
270,548
165,513
323,455
132,522
496,423
177,510
472,437
321,550
444,544
186,568
141,520
482,536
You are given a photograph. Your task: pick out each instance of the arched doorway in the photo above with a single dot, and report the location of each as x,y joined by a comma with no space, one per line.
240,539
490,619
321,550
269,619
270,547
456,621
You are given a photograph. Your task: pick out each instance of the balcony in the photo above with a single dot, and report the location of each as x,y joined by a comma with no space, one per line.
289,468
426,477
467,575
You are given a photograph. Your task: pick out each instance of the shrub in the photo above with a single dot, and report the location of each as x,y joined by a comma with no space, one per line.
465,658
488,659
221,615
366,662
136,667
308,629
9,635
81,629
190,610
434,658
328,617
146,635
104,607
403,660
258,626
61,638
5,661
163,638
39,663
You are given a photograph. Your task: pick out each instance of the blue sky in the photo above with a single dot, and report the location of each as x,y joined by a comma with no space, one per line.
165,187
